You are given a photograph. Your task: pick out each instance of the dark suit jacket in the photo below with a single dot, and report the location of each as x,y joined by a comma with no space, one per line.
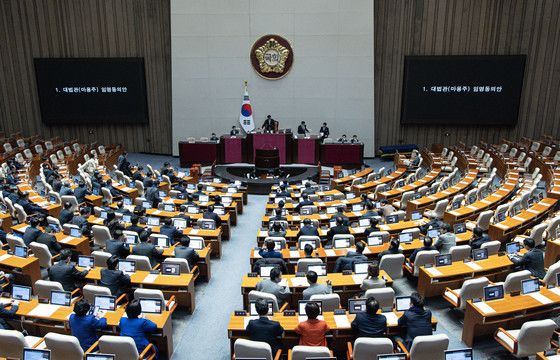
65,216
302,129
347,262
344,218
265,330
148,250
308,231
476,243
135,228
152,196
171,232
303,203
50,241
66,274
533,260
115,280
187,253
366,325
418,322
213,216
7,315
281,264
325,130
80,193
335,231
117,248
31,234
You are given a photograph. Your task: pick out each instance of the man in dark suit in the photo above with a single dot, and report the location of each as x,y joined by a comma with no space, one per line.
145,248
269,124
479,238
32,232
302,128
427,246
137,175
183,251
3,234
308,229
269,252
370,210
66,190
49,239
282,192
210,214
369,323
81,220
114,279
134,224
7,315
324,131
152,194
66,214
309,190
170,231
28,206
277,215
234,131
532,260
373,222
65,273
340,228
117,247
304,202
347,262
340,214
81,192
265,330
417,320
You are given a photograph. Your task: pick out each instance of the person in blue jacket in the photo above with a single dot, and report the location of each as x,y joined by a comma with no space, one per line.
137,327
83,326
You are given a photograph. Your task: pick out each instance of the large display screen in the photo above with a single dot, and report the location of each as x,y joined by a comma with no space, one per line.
92,90
462,90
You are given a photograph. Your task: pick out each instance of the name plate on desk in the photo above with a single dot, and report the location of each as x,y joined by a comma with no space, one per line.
252,275
240,313
289,313
484,307
541,298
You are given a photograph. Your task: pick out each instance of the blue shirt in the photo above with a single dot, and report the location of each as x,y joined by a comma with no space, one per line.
138,329
270,254
84,328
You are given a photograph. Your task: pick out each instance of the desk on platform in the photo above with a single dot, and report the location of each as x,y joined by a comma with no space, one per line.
233,150
198,152
342,154
306,149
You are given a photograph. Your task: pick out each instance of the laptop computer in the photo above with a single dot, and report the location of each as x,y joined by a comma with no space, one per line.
363,222
100,357
126,218
361,267
341,243
356,305
443,260
265,270
197,244
529,286
405,238
131,239
400,356
303,303
375,240
253,308
192,210
493,292
22,293
86,261
416,215
151,306
20,251
36,354
513,247
77,233
391,219
459,354
62,298
402,303
105,302
357,207
480,254
434,233
170,269
460,228
162,242
320,269
126,266
152,221
302,243
169,207
103,215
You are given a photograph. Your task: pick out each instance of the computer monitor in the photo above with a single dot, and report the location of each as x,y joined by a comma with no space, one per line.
105,302
375,240
405,237
191,186
127,201
162,242
153,221
328,198
103,215
416,215
265,270
151,306
146,205
357,207
501,216
20,292
416,196
493,292
52,199
515,209
391,219
126,266
219,210
208,225
169,207
20,251
331,210
400,356
203,198
3,208
62,298
131,239
356,305
363,222
197,244
86,261
231,190
480,254
302,243
513,247
529,286
434,233
350,196
341,243
332,223
361,267
162,194
402,303
460,228
278,245
253,308
443,260
36,354
54,227
100,356
455,205
170,269
212,188
126,218
303,303
320,269
459,354
192,210
306,211
95,191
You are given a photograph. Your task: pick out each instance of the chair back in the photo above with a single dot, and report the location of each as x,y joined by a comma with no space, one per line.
107,195
460,252
429,347
41,252
514,279
302,352
100,258
310,237
90,291
255,295
21,215
369,348
384,296
142,262
424,257
142,293
123,347
72,200
330,302
414,231
406,196
63,347
12,343
350,237
492,246
303,264
100,235
534,337
550,276
472,289
243,348
43,288
183,264
537,233
439,210
14,241
483,220
140,187
392,264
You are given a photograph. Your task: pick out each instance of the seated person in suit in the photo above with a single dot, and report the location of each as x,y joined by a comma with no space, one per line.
268,251
146,248
83,326
81,192
417,320
340,213
393,249
3,234
532,260
272,286
282,191
114,192
116,280
183,251
137,327
278,214
434,223
6,314
373,281
32,232
308,251
199,191
66,273
354,139
302,128
134,219
369,323
81,220
312,331
347,262
373,222
308,189
478,238
28,206
446,240
265,330
370,210
386,208
169,230
49,239
324,131
343,139
210,214
340,228
117,246
234,131
269,124
66,214
152,194
304,202
137,174
308,229
427,246
66,190
277,230
314,288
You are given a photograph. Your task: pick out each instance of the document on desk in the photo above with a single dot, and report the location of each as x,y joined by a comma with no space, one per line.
484,307
256,254
330,252
150,278
299,282
473,265
296,218
541,298
294,254
193,232
391,318
283,282
357,213
433,271
359,278
342,322
5,256
66,240
323,216
555,290
359,229
43,310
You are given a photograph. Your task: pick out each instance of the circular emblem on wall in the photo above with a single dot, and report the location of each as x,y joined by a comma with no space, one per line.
272,57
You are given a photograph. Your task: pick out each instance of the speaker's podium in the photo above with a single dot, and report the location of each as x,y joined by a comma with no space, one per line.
267,160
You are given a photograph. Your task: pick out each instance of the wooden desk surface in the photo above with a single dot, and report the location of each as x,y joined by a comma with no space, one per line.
424,181
60,236
458,268
337,279
13,261
144,278
349,178
320,204
395,175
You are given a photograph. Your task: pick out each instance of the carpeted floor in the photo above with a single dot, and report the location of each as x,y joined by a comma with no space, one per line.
203,335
